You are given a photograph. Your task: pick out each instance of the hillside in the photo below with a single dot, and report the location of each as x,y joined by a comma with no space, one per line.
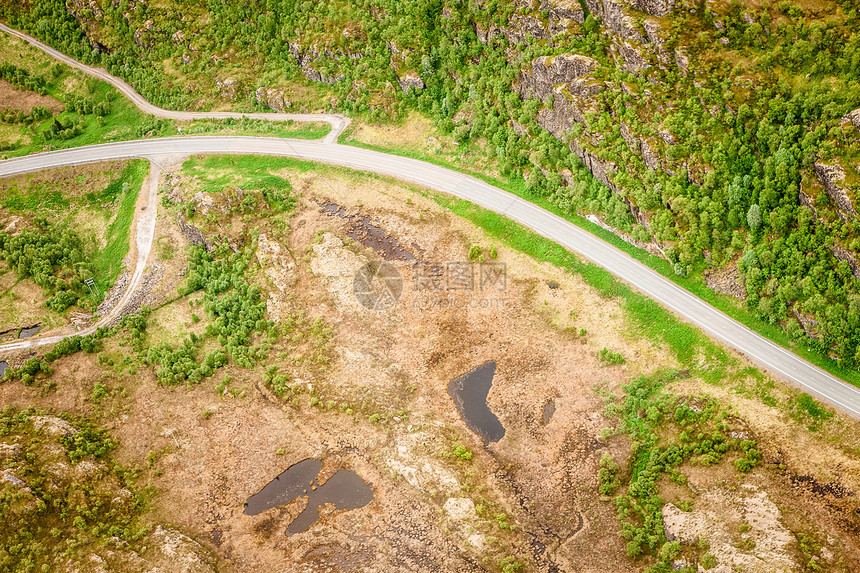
720,136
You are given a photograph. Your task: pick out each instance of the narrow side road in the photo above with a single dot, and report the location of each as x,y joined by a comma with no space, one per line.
146,211
338,122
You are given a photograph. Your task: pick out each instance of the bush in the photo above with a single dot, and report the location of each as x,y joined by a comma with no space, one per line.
608,475
461,452
610,358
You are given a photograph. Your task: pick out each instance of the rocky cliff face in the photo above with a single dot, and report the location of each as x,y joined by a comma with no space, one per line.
550,71
832,177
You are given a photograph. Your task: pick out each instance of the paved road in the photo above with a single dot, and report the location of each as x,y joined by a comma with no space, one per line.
779,361
338,122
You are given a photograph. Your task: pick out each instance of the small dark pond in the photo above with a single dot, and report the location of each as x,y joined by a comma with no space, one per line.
469,393
29,331
3,366
345,490
548,411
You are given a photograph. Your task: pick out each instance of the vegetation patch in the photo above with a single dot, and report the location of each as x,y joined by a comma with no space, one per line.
63,491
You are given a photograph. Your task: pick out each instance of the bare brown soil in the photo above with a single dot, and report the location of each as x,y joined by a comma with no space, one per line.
12,98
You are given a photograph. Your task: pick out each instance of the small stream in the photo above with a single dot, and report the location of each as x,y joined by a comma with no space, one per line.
469,393
345,490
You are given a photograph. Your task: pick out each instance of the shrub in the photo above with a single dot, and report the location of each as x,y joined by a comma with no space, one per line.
610,358
461,452
608,475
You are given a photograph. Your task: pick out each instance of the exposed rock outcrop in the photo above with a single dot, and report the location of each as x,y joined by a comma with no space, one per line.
649,157
306,60
549,71
654,7
615,18
10,451
410,80
654,32
765,547
848,257
274,99
682,60
561,9
8,477
229,88
194,235
180,553
523,27
631,57
570,103
53,426
632,143
852,117
602,170
832,177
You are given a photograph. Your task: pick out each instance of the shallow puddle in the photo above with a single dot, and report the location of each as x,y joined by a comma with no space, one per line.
345,490
469,393
30,331
3,366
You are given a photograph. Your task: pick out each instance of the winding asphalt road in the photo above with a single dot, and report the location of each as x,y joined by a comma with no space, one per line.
773,358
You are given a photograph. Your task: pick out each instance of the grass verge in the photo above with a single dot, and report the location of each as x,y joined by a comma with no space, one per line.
108,261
